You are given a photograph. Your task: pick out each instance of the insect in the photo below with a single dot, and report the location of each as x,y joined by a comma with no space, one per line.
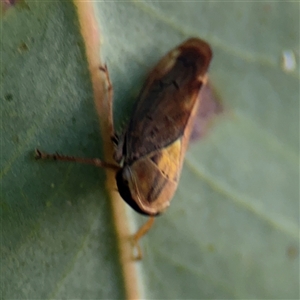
149,153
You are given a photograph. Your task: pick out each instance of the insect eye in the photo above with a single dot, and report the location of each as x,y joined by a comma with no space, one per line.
125,181
122,178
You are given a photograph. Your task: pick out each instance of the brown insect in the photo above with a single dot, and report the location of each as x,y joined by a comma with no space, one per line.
149,153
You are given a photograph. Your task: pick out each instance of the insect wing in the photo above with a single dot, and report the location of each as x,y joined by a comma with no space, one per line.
153,146
167,100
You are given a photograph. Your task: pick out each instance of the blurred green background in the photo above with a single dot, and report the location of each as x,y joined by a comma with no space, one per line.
232,231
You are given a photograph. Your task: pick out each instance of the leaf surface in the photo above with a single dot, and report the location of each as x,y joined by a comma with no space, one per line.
232,230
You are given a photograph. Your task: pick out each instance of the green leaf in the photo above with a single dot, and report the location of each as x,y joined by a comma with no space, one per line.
232,230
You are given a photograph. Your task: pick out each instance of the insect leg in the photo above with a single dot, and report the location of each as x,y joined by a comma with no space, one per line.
109,101
109,84
138,235
90,161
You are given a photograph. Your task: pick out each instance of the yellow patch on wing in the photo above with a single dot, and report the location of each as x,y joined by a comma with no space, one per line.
169,160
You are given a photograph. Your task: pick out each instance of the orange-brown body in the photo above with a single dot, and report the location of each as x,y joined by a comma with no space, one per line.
151,149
